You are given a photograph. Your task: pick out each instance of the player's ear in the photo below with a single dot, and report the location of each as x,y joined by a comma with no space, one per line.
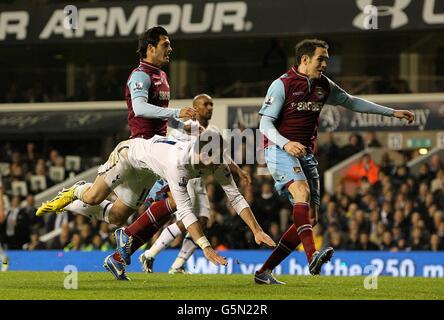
150,47
305,59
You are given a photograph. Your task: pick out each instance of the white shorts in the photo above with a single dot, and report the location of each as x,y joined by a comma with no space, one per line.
199,198
131,186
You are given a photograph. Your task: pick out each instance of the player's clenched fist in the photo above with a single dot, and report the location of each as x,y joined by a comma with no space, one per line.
296,149
214,257
404,114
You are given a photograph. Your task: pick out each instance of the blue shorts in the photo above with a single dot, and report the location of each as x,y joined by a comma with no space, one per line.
158,192
285,169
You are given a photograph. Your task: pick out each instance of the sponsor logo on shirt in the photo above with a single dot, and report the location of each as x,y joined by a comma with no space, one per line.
183,182
298,93
307,106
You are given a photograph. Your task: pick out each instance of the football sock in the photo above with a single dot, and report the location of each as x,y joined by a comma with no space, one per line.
81,189
301,219
166,237
99,211
106,211
287,244
151,216
188,248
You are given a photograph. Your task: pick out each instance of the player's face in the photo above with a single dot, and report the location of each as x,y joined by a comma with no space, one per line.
160,55
317,64
204,108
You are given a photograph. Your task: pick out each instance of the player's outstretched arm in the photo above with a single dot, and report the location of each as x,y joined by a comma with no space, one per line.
259,235
338,96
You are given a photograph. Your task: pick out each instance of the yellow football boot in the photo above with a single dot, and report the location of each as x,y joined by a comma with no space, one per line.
59,202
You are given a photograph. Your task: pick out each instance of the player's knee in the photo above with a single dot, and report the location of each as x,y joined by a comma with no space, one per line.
300,191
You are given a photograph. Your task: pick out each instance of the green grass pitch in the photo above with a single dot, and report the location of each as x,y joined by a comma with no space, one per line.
160,286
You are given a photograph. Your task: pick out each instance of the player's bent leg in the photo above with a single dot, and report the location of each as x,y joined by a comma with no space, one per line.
63,198
119,213
115,267
285,170
300,192
99,212
154,216
98,192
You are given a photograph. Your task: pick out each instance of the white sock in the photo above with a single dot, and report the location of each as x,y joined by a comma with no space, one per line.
187,250
80,190
3,257
166,237
100,212
106,209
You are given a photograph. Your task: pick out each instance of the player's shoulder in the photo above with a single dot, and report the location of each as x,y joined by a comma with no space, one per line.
139,78
278,84
139,73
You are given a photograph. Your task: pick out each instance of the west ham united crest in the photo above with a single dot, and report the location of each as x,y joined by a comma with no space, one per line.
320,93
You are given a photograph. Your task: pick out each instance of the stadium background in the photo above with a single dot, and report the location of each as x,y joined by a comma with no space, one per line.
62,112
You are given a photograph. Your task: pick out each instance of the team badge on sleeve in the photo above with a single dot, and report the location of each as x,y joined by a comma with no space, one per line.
138,85
269,100
183,182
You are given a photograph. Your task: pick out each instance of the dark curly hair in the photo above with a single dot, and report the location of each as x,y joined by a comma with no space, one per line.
150,36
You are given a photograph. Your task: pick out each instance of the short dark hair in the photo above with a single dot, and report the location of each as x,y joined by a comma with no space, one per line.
150,36
308,47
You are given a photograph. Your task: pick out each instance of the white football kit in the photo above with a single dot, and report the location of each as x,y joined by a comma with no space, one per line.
196,187
135,165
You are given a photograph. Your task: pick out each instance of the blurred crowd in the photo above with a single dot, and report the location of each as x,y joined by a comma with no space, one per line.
108,84
376,206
